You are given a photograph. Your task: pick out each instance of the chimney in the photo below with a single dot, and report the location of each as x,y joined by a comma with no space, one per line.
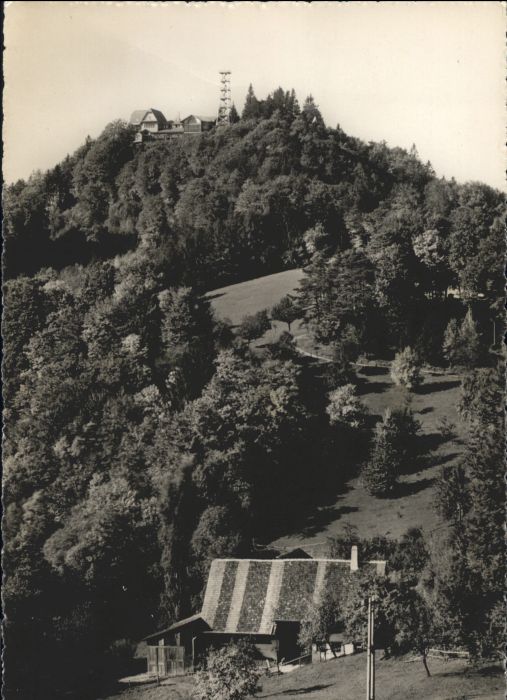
354,561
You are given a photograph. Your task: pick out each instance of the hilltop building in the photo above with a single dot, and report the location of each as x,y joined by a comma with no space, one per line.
150,120
152,125
264,600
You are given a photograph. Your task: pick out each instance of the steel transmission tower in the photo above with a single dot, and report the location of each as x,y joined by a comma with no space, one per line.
224,109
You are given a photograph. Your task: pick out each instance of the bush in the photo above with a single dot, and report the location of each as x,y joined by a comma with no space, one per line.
345,408
284,348
252,327
405,369
447,428
230,673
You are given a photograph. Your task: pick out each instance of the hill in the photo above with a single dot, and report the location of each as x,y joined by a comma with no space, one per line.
144,438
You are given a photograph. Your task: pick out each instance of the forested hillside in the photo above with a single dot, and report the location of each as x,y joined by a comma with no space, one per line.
142,435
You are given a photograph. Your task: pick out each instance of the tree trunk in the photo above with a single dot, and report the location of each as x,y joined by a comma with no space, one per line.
425,664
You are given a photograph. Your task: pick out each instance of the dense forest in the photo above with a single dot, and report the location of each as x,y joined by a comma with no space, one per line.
143,437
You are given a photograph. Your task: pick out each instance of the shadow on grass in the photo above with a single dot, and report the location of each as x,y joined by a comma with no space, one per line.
372,388
318,521
426,410
369,371
209,297
430,442
434,387
485,671
439,461
410,488
298,691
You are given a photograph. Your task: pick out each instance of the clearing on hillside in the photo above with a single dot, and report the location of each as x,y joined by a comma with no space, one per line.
247,298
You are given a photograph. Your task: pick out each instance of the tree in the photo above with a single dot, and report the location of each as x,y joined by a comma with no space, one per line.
233,115
336,293
320,620
251,110
230,673
474,237
394,444
461,344
187,331
346,408
453,495
451,347
405,369
381,471
469,340
219,533
287,310
254,326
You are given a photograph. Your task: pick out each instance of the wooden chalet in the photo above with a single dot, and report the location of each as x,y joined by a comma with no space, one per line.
264,600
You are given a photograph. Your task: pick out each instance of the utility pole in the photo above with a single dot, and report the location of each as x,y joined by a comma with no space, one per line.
370,651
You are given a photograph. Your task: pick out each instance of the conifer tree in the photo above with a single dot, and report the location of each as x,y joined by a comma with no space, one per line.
251,110
461,344
469,338
381,471
234,116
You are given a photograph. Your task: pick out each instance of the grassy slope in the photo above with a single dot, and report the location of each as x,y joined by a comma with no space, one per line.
344,679
414,502
247,298
437,398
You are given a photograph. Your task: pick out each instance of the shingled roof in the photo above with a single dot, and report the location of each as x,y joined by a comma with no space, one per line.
250,595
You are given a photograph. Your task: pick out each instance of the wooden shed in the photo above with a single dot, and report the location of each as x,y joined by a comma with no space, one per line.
172,650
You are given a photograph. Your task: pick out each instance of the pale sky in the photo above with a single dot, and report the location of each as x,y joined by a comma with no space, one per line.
427,73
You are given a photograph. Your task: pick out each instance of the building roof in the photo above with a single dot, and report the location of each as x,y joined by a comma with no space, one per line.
200,118
162,121
139,116
250,595
178,625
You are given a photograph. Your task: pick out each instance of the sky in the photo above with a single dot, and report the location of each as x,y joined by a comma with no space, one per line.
427,73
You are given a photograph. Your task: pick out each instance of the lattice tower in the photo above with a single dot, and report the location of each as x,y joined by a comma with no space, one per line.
224,109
